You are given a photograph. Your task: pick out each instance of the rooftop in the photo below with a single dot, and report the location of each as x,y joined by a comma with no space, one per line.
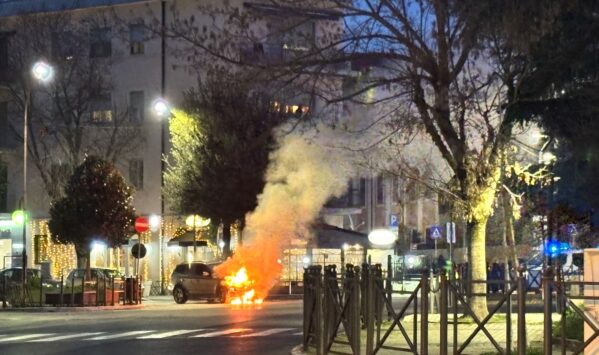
21,7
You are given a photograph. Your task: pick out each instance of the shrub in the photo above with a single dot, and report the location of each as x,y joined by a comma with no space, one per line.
574,326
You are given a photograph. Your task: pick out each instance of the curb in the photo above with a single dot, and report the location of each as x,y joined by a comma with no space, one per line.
71,309
298,350
284,297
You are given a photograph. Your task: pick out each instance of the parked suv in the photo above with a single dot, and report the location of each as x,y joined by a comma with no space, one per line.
196,281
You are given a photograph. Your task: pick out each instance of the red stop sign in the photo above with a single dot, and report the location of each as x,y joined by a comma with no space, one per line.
142,224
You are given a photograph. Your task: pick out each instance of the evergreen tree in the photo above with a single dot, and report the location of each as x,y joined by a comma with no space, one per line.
97,206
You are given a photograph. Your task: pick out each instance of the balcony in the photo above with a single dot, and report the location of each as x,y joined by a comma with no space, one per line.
269,53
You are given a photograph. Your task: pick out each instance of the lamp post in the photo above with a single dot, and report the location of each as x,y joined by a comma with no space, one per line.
42,72
161,109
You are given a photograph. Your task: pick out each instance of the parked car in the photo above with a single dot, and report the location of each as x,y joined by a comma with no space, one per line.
196,281
77,275
13,277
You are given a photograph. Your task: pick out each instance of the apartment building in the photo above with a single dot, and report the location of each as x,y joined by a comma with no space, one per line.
138,65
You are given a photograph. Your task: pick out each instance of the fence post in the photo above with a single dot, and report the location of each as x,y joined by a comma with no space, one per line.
328,309
443,313
389,285
521,310
41,290
4,291
307,285
112,290
61,289
97,288
424,312
370,309
319,316
353,276
72,290
83,289
547,281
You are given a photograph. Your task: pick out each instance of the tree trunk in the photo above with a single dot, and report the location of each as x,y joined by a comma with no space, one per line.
227,239
83,261
508,213
477,257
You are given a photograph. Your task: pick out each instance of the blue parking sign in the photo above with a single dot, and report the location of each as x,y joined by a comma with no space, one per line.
393,221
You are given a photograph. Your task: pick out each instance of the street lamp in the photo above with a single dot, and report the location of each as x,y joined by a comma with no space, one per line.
42,72
161,109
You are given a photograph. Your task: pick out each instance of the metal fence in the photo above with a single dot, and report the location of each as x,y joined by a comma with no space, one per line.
357,311
99,291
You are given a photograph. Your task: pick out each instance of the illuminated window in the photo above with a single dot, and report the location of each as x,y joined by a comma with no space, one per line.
101,109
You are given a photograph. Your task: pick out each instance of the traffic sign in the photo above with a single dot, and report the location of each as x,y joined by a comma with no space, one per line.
435,232
393,221
139,251
450,234
142,224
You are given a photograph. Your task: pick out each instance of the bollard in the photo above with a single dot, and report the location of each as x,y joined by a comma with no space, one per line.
522,310
443,313
547,280
41,290
424,313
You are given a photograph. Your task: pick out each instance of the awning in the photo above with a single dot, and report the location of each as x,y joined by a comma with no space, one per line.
327,236
186,240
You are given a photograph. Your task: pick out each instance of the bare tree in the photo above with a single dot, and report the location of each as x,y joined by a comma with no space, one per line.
446,76
73,115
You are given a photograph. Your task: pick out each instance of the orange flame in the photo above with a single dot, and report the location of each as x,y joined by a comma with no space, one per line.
241,288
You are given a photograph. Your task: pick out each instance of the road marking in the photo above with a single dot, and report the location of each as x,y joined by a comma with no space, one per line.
221,332
24,337
64,337
266,332
169,334
298,333
121,335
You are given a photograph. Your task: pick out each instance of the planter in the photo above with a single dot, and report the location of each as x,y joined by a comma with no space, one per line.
87,298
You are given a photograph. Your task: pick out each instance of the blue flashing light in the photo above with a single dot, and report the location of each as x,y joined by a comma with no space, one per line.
553,248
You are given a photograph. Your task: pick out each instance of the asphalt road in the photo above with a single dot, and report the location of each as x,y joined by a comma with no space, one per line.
161,327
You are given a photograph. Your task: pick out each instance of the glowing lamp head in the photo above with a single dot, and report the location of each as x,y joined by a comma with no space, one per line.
382,237
42,71
197,221
161,107
306,260
154,221
19,217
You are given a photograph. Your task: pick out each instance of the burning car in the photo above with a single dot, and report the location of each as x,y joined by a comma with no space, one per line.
241,288
196,281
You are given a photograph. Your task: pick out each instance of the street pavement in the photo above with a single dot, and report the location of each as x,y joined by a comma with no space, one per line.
161,327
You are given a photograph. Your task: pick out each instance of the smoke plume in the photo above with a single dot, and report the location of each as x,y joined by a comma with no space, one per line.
301,177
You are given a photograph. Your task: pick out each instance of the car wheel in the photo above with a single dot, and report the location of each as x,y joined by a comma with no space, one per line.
221,295
179,295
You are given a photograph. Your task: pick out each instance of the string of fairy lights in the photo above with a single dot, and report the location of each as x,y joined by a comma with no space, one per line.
63,257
